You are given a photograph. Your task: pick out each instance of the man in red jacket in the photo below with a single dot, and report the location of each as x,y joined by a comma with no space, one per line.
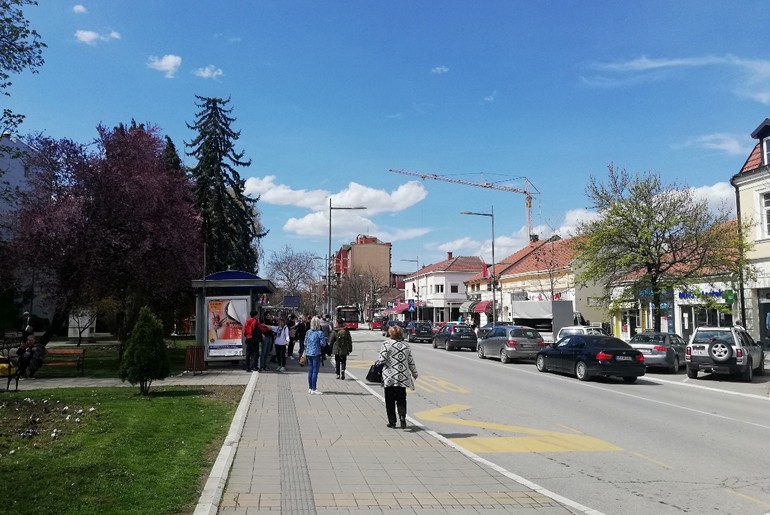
253,332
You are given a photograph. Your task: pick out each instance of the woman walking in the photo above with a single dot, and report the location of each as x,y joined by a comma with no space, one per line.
398,373
342,345
315,341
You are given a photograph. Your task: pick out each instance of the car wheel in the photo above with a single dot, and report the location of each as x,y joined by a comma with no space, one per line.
434,344
692,373
629,379
581,371
540,364
761,369
720,351
480,351
748,374
504,357
675,366
446,345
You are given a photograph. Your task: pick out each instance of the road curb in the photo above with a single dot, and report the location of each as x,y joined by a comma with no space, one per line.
208,503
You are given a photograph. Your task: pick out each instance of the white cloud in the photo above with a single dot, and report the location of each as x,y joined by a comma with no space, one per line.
720,196
439,70
283,195
79,9
168,64
460,244
750,78
90,37
208,72
491,98
729,144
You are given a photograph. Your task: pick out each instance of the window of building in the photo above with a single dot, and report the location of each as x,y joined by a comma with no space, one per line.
439,288
454,288
766,212
766,151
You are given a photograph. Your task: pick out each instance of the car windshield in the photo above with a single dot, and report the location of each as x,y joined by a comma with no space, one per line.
608,343
462,329
708,336
648,338
567,332
422,327
525,333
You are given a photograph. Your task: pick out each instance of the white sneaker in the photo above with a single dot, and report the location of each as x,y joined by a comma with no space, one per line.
317,392
309,390
291,357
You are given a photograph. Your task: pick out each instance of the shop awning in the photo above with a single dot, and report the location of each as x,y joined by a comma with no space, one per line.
400,308
467,306
485,306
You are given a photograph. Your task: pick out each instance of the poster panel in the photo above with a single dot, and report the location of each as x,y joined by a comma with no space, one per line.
225,319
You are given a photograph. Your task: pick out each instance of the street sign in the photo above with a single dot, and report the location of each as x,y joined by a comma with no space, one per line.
411,306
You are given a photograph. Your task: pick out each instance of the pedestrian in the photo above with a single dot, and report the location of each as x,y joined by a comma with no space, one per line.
31,356
342,345
267,346
281,340
26,326
302,328
398,373
253,331
326,327
315,341
292,325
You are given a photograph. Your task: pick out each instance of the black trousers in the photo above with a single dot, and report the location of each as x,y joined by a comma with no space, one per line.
395,397
340,363
252,356
280,354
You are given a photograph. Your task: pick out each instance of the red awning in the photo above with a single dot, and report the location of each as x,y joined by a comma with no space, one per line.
485,306
400,308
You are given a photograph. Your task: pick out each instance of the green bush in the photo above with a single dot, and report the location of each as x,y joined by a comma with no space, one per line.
145,357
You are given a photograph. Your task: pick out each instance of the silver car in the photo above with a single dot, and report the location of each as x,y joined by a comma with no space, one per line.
510,342
664,350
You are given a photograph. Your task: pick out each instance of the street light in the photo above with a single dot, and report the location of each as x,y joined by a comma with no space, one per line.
491,214
319,305
329,264
417,279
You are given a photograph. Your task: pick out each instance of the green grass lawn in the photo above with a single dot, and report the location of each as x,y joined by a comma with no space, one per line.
107,450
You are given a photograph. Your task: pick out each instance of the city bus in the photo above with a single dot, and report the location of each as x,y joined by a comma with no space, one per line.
349,315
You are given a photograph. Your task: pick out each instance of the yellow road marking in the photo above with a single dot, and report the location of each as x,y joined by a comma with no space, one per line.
748,497
651,459
538,440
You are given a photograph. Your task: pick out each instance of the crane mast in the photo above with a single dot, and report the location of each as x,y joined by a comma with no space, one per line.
525,191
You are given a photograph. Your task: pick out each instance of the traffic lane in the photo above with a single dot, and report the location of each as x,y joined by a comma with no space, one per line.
759,386
655,438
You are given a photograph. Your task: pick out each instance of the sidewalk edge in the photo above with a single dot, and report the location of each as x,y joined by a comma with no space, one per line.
208,503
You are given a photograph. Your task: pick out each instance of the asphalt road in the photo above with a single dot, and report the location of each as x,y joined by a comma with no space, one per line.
666,444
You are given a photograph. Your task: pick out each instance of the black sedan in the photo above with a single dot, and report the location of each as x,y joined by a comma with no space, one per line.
588,355
418,332
389,324
455,336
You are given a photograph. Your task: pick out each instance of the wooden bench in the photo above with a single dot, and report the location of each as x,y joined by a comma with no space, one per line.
65,357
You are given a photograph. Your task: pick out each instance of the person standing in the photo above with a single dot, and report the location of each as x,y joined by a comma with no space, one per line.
326,327
253,331
315,341
292,325
267,346
26,327
398,373
342,345
281,341
302,328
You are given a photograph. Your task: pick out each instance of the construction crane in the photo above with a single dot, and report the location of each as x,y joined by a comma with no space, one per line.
526,191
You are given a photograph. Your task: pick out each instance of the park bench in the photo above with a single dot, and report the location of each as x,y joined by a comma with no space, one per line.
65,357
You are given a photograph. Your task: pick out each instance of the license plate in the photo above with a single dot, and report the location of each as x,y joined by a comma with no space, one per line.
623,358
699,351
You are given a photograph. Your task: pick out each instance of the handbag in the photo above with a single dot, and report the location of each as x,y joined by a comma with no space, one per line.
375,373
303,360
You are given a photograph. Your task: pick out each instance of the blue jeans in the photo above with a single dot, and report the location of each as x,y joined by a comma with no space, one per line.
313,365
267,346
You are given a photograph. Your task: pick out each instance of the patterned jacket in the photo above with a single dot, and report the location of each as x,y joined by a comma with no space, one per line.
398,367
314,341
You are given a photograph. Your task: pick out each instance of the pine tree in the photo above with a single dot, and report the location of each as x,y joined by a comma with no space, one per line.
231,226
145,358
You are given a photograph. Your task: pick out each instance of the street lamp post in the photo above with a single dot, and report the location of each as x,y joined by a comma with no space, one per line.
417,280
330,265
490,214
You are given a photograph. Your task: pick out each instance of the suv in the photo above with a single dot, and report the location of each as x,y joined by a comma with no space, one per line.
724,350
418,331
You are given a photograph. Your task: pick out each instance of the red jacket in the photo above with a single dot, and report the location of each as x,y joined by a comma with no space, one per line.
251,323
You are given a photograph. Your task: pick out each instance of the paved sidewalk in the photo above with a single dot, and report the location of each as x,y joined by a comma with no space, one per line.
330,454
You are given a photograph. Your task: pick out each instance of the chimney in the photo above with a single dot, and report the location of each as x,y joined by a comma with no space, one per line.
448,256
534,238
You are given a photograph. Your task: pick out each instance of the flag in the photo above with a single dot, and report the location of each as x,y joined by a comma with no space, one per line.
414,287
484,270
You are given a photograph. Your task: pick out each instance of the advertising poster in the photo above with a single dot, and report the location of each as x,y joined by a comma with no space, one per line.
226,317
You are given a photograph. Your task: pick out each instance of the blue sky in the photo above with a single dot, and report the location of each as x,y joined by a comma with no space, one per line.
330,95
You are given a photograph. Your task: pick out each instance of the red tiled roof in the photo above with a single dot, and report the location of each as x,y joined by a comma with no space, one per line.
455,264
553,256
754,160
503,266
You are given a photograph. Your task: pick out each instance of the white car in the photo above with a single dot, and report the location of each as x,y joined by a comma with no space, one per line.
578,329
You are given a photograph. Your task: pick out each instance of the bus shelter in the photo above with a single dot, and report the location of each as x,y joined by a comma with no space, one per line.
222,306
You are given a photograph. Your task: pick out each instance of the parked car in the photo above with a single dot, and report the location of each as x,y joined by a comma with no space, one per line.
389,324
418,331
588,355
510,342
724,350
660,349
455,336
578,329
377,323
484,329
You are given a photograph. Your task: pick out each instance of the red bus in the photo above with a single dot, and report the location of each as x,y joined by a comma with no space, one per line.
349,316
